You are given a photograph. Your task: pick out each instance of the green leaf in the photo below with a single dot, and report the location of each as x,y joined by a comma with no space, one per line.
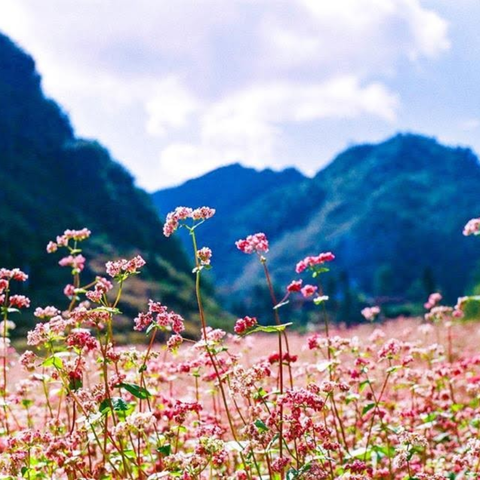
75,384
151,327
320,299
165,450
119,405
53,361
368,407
456,407
135,390
259,394
393,369
292,474
268,328
261,427
363,385
113,311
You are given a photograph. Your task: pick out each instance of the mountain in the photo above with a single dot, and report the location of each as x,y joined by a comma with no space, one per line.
231,190
392,213
51,180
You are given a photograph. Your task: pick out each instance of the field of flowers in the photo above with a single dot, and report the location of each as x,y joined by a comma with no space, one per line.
394,400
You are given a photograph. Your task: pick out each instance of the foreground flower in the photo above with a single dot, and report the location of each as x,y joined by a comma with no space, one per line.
253,243
370,313
122,268
472,227
180,214
295,286
312,261
63,240
14,274
308,290
204,256
433,299
244,324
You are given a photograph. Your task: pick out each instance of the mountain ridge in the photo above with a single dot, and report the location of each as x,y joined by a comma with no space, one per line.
406,197
52,180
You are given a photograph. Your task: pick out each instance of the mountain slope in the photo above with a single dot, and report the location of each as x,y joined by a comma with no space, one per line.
393,214
390,212
231,190
51,180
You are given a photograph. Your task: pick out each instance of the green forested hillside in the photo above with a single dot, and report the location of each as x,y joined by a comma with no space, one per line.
393,214
51,180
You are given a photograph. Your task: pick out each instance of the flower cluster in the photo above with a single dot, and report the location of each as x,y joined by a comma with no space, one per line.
204,256
14,274
313,261
102,286
244,324
174,219
472,227
63,240
388,402
121,269
433,299
370,313
256,243
159,316
75,262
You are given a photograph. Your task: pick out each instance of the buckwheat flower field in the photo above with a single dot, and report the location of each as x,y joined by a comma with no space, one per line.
392,400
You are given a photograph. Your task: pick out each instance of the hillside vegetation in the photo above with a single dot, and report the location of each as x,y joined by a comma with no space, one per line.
51,180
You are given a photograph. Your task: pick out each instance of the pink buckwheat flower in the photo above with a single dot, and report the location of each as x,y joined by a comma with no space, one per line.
14,274
46,312
172,222
122,267
69,290
308,290
244,324
295,286
76,262
19,301
62,240
174,342
253,243
472,227
311,261
369,313
433,299
204,255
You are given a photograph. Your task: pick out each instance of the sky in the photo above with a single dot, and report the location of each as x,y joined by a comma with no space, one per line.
176,88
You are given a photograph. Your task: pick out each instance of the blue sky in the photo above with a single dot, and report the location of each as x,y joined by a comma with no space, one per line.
175,88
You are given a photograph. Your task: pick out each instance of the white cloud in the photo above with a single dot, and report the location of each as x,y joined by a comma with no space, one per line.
248,126
211,82
355,36
170,105
470,124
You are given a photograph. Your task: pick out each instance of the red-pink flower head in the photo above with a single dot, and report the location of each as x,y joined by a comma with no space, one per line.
19,301
433,299
204,256
62,240
14,274
312,261
244,324
472,227
125,267
253,243
172,222
308,290
369,313
295,286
